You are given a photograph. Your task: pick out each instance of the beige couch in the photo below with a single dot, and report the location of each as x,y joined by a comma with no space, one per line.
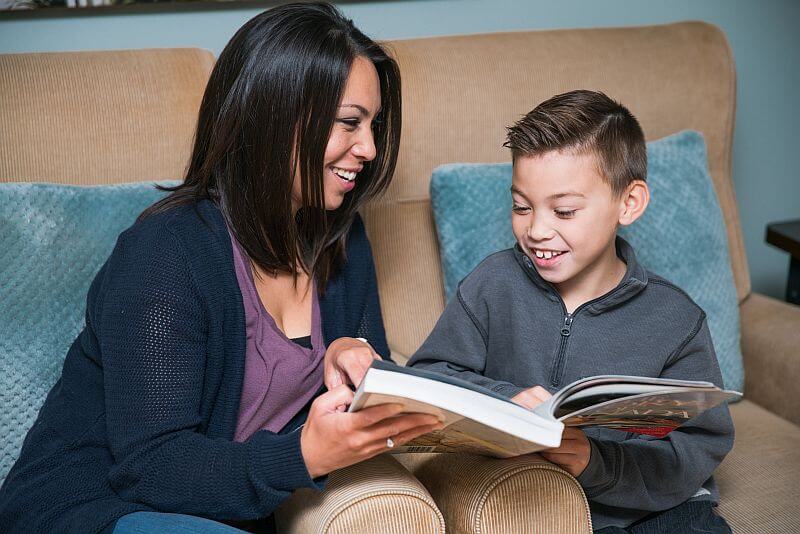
105,117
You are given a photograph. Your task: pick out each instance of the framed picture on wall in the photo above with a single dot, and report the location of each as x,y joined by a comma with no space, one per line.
99,6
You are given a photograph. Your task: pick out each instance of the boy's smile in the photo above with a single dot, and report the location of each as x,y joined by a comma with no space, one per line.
565,219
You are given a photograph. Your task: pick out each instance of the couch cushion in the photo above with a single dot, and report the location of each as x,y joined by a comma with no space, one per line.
759,480
54,239
681,236
98,117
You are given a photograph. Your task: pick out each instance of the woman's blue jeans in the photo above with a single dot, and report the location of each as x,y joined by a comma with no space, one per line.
151,522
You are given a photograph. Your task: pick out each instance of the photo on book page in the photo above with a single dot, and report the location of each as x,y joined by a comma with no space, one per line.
651,414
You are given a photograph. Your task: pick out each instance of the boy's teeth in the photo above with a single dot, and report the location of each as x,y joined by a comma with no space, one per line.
546,254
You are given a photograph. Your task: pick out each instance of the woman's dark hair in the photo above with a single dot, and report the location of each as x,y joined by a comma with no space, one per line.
267,113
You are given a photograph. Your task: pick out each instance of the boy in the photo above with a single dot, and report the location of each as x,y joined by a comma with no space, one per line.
570,300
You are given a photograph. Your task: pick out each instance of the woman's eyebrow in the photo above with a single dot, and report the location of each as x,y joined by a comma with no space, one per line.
361,109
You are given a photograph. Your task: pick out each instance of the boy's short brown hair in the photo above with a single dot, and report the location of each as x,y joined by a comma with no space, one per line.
586,122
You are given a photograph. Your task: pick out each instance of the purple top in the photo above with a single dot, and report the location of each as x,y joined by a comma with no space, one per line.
280,376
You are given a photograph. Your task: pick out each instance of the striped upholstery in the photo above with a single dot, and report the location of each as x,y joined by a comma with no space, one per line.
377,496
760,479
488,495
89,118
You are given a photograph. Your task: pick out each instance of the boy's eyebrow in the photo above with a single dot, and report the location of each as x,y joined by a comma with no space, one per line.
566,194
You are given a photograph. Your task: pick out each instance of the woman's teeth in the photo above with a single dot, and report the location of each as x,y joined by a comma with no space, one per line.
547,254
348,176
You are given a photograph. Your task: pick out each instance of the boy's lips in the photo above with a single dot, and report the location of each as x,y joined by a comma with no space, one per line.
546,259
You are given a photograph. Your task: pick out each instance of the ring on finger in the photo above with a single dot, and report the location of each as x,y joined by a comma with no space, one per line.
390,443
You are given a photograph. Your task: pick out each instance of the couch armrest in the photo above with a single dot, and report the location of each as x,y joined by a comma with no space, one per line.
375,496
522,494
771,351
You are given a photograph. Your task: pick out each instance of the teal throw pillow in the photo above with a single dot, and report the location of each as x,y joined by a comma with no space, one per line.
681,236
53,240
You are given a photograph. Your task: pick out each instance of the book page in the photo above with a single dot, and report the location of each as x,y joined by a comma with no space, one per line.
468,436
651,414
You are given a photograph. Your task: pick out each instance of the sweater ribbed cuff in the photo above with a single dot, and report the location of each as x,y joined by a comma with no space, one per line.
506,389
277,460
599,473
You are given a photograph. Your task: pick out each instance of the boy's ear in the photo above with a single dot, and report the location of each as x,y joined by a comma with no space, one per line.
633,202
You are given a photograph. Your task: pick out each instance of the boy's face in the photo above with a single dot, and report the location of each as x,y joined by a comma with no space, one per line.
565,218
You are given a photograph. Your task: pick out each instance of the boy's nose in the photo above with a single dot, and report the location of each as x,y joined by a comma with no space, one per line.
539,232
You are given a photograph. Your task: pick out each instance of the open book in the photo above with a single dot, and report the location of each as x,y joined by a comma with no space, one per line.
480,421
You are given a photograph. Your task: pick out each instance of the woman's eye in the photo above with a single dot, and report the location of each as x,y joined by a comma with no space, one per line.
519,209
350,124
565,214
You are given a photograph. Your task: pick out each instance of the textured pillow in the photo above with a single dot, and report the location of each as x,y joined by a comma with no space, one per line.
53,240
681,236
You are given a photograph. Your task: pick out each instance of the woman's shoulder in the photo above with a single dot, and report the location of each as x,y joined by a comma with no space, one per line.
190,236
188,225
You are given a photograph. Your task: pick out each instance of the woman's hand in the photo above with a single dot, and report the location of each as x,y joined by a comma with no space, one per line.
531,397
346,361
573,454
332,439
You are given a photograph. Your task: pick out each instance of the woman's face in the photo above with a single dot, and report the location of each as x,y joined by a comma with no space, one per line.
351,143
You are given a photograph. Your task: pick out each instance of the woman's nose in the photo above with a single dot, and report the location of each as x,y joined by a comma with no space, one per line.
364,148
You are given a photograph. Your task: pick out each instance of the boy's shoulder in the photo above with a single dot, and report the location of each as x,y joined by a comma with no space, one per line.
671,301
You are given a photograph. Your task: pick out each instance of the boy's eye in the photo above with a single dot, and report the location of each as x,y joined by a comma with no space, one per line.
565,214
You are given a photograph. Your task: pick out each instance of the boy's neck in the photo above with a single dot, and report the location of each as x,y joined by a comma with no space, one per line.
594,282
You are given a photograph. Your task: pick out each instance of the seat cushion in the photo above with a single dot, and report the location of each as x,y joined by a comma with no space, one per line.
681,236
54,239
759,480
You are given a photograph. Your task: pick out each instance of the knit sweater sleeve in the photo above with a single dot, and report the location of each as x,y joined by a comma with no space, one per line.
457,346
653,474
152,328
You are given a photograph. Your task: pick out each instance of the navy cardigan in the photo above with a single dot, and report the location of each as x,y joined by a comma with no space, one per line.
143,416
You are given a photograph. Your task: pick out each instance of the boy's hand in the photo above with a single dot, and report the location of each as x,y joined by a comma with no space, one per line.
574,453
531,397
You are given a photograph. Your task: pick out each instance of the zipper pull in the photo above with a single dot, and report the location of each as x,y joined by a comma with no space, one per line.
565,330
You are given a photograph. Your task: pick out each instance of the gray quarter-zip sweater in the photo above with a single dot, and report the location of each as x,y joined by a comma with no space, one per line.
507,329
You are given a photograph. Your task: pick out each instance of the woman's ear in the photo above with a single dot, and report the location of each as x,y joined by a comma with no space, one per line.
633,202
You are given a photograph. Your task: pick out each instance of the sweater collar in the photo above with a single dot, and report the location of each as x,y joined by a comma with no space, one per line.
634,281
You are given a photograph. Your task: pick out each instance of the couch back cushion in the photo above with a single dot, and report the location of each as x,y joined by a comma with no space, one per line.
99,117
53,241
681,236
459,94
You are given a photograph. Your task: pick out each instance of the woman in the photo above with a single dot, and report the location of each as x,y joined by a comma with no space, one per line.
212,326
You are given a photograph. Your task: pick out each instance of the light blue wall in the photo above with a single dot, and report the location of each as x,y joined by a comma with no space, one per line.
763,33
